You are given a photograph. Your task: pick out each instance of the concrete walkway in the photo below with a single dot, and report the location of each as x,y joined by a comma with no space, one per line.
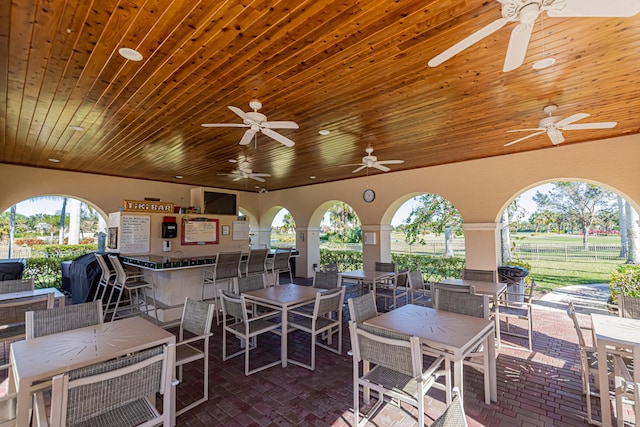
587,298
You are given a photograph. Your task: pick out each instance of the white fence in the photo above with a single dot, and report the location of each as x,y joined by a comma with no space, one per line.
566,251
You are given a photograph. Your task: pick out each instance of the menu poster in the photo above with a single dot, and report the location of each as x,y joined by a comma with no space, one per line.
199,231
240,230
135,234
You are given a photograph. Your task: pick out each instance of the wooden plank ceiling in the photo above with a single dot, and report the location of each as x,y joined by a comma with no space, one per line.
355,68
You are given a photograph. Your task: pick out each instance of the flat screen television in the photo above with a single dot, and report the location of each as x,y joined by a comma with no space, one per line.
220,203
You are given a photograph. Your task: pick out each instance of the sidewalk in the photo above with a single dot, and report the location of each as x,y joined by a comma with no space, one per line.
587,298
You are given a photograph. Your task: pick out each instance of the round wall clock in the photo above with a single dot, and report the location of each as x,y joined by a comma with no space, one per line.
369,195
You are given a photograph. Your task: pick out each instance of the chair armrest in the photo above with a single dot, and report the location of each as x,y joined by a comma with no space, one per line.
193,339
433,368
302,314
621,365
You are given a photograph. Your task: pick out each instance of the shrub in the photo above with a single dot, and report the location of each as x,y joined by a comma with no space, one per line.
346,260
625,280
57,251
46,272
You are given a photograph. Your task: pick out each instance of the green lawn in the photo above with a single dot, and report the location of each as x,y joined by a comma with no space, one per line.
554,274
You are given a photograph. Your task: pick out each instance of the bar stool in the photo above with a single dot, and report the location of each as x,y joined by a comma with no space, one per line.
107,279
280,264
132,283
227,269
256,262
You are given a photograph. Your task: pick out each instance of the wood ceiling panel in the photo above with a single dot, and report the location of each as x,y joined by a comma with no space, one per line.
357,69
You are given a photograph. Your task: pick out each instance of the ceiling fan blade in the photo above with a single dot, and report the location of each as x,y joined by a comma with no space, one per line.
237,178
257,178
383,168
225,174
573,118
555,136
525,130
224,125
278,137
281,125
523,138
262,174
465,43
390,162
593,125
238,112
518,44
359,169
596,9
247,137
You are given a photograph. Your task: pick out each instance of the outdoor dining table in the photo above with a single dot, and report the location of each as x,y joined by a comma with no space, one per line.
495,290
42,358
452,335
57,295
284,298
611,332
367,276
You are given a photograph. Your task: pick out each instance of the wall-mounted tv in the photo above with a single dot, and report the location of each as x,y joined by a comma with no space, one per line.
220,203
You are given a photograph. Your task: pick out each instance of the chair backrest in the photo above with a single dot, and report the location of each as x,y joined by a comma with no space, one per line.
16,285
529,295
628,306
197,317
571,312
281,259
60,319
251,283
233,305
362,308
256,262
121,274
454,415
86,393
398,352
228,265
467,289
416,281
326,280
106,272
386,266
462,303
480,275
329,302
12,312
402,279
330,267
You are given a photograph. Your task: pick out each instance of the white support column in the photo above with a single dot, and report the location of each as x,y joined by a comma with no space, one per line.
308,245
482,245
376,244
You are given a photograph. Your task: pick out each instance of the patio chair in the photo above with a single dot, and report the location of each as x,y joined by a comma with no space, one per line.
512,309
60,319
237,320
480,275
628,306
12,315
362,308
466,289
130,283
330,267
107,279
394,290
195,326
627,381
8,404
226,270
398,369
454,415
117,392
325,320
279,264
251,283
256,262
326,280
16,285
419,291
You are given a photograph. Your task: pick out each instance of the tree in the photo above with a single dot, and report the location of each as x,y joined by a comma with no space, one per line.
577,202
433,214
288,225
344,223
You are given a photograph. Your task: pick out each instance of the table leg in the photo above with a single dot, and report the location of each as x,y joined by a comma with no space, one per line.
604,385
458,379
283,337
496,302
23,398
490,349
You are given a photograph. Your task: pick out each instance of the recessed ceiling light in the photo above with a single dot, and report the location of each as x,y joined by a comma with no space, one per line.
312,177
324,132
257,186
54,160
543,63
178,177
76,128
233,160
130,54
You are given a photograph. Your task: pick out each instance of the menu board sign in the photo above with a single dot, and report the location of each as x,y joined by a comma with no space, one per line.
199,231
135,234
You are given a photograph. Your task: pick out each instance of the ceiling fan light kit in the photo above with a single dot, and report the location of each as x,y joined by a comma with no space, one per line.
371,161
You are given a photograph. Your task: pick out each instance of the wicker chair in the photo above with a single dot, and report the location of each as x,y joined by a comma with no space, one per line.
512,309
256,262
398,369
628,306
13,313
117,392
419,291
226,269
279,264
196,322
326,280
16,285
480,275
454,415
237,321
8,403
130,283
325,320
362,308
60,319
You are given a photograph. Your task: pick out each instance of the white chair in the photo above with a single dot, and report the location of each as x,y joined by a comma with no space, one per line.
8,404
420,292
225,271
398,369
256,262
238,321
195,326
627,381
117,392
394,290
107,279
362,308
279,264
325,320
326,280
130,283
454,415
60,319
512,309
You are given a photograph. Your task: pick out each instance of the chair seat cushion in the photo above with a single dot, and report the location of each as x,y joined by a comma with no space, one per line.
255,327
392,380
186,353
514,311
132,414
305,323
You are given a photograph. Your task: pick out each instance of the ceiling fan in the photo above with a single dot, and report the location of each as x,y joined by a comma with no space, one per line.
257,122
244,171
554,125
371,161
525,13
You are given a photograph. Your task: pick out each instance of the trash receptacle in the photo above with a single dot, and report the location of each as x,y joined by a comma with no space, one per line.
514,277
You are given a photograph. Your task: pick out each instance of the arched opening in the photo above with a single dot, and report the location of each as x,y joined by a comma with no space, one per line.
283,229
340,228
